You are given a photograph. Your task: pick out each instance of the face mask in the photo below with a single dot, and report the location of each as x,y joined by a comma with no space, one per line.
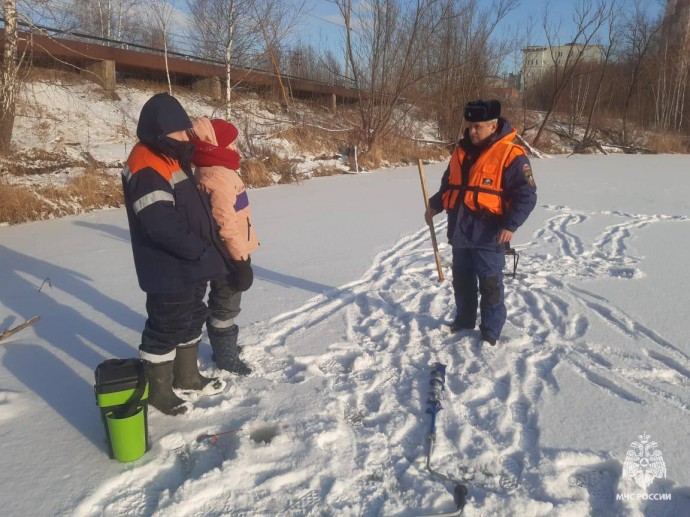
181,151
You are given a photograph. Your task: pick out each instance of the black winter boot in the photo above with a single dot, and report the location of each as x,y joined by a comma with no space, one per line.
186,372
226,353
161,395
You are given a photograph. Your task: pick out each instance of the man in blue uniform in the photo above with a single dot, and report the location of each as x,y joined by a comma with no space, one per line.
488,191
176,251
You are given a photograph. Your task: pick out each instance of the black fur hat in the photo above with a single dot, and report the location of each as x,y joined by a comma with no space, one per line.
481,111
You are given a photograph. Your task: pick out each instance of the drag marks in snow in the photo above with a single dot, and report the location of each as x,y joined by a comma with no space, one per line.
550,308
348,374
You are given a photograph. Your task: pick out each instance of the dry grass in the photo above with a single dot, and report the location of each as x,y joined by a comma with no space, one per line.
92,190
314,140
321,172
404,150
666,143
255,174
21,205
276,165
372,159
285,168
35,162
397,150
95,189
53,75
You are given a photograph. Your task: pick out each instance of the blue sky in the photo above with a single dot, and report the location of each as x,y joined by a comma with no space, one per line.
323,27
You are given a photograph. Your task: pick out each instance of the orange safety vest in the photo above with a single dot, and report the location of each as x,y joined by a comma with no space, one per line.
483,194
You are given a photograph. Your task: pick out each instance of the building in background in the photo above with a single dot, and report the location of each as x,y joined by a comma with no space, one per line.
538,60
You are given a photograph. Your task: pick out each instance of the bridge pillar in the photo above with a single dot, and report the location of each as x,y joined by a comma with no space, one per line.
209,86
102,73
334,102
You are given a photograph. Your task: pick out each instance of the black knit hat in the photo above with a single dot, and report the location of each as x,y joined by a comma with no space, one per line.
481,111
162,114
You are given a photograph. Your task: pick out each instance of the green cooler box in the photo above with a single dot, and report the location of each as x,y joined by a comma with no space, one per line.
121,392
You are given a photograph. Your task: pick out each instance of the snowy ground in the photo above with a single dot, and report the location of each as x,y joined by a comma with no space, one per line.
342,326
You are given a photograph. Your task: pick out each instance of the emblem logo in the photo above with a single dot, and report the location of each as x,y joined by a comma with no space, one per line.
487,181
527,171
644,462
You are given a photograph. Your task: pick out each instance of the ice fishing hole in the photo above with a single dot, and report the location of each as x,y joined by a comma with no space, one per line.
264,434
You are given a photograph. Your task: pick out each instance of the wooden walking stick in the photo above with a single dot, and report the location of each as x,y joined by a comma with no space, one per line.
437,256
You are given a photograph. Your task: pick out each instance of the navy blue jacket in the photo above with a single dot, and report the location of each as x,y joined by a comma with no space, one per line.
174,237
467,229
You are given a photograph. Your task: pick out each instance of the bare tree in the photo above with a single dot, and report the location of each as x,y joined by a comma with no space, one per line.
161,17
223,30
392,48
9,80
307,62
345,7
51,12
275,20
638,34
463,54
589,16
111,19
669,79
614,35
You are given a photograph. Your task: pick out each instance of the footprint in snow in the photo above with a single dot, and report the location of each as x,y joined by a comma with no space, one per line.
305,505
8,405
600,483
520,412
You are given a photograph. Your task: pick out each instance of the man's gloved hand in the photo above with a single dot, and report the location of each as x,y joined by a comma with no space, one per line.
244,274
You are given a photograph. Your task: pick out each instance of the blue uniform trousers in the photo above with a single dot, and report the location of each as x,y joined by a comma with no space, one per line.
173,319
473,266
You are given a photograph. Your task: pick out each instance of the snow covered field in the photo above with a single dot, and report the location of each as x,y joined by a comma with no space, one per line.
342,327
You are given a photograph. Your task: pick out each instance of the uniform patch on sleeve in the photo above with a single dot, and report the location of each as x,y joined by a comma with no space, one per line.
527,171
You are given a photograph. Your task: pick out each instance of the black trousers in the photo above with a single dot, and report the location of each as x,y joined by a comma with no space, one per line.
173,319
223,302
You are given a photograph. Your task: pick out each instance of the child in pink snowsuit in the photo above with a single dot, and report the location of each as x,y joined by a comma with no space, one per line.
217,162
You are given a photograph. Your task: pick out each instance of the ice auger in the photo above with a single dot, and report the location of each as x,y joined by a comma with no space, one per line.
437,386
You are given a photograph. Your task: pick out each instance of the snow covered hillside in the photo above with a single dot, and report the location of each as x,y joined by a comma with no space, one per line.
342,326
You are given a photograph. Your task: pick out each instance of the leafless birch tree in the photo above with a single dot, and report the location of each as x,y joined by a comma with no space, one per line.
9,80
112,19
161,17
223,30
669,85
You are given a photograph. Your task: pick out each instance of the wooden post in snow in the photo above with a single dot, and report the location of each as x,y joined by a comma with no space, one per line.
432,231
